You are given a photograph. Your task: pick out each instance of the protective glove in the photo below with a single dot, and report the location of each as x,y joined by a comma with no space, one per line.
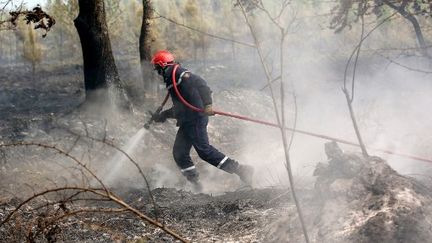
159,117
208,110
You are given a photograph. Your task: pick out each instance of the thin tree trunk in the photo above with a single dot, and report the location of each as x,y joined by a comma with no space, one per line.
2,51
145,50
33,71
418,31
355,125
350,98
280,118
17,46
61,47
100,72
144,47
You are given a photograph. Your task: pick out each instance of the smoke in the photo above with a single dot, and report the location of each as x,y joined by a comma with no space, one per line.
391,106
391,102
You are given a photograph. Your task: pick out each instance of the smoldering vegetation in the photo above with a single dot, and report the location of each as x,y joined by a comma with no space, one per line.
52,138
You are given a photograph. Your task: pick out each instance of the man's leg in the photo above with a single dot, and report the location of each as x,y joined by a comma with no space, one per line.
199,138
181,153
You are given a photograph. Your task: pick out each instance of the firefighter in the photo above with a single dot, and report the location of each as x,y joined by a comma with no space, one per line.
192,125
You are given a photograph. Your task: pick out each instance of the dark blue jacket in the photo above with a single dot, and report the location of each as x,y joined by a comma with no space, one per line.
194,90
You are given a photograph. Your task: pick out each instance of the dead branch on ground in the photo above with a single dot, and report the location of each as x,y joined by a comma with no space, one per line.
102,194
65,212
110,143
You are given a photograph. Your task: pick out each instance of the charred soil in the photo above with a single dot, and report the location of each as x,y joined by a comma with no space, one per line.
354,199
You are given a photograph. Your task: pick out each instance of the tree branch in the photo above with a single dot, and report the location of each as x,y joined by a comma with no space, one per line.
280,121
402,65
203,32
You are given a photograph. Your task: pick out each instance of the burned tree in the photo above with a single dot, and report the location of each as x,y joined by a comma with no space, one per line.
46,216
100,72
144,44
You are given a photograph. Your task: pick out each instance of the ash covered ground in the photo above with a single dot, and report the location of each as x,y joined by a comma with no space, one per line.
347,199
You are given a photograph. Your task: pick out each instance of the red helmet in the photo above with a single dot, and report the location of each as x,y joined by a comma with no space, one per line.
162,58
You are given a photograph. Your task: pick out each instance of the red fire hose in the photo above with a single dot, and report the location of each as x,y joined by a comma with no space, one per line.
174,82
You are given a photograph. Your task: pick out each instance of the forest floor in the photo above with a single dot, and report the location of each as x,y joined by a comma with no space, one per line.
351,199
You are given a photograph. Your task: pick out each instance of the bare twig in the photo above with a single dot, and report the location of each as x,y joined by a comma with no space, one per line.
104,194
271,82
403,65
350,98
404,49
60,151
36,195
279,120
203,32
361,41
105,141
295,119
74,144
356,59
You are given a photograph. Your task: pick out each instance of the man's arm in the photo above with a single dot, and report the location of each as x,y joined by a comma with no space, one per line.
169,113
161,117
205,94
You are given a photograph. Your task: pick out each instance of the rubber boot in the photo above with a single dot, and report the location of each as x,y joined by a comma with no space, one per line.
197,186
193,177
245,172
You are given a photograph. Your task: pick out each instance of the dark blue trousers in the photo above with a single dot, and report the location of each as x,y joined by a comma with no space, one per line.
195,134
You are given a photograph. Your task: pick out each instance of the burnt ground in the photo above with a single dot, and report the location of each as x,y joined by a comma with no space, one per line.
43,110
240,216
353,200
26,101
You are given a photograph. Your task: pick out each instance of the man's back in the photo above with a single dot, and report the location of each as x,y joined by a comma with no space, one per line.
194,90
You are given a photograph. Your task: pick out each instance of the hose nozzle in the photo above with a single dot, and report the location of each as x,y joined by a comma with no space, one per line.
151,120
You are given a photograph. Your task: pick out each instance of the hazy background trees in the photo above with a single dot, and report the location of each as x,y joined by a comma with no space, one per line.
32,49
186,28
417,13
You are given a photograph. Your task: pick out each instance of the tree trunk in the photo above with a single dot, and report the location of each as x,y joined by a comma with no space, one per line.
61,47
2,51
354,121
101,77
150,86
419,34
33,63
